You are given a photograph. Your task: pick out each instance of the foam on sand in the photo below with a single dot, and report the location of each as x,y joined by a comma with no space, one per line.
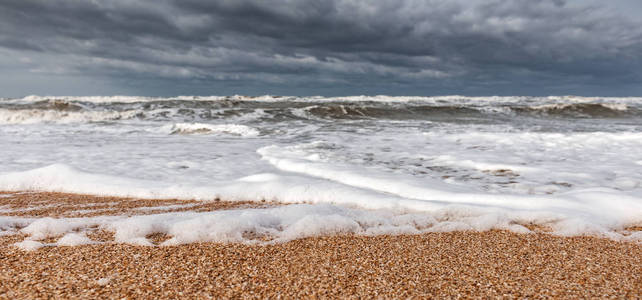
29,245
349,203
285,223
74,239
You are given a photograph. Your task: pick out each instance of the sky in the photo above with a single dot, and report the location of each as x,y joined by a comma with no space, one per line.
328,48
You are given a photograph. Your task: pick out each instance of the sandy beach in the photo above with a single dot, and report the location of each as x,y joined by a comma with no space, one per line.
425,149
454,264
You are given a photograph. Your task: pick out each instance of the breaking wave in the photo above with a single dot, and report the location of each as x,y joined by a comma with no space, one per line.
579,109
200,128
33,116
35,109
362,165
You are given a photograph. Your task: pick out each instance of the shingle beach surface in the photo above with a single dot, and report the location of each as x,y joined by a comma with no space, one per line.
454,264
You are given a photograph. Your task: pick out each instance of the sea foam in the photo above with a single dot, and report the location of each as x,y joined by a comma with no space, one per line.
358,164
338,207
200,128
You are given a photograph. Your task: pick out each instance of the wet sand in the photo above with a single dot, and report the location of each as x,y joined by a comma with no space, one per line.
45,204
465,264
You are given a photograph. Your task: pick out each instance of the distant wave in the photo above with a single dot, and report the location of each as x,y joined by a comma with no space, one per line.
33,116
36,109
586,109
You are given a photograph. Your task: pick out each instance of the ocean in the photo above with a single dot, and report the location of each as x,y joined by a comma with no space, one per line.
359,164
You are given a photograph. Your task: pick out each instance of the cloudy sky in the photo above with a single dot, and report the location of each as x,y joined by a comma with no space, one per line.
311,47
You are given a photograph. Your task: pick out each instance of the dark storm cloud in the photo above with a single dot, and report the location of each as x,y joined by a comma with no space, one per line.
340,46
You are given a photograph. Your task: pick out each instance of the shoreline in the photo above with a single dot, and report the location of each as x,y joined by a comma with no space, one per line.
57,204
461,263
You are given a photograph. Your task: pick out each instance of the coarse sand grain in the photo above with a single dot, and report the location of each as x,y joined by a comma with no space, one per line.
454,264
466,264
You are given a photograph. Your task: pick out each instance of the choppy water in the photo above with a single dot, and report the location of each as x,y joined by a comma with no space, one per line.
555,159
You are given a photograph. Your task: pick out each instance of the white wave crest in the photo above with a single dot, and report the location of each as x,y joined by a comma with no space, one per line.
34,116
561,106
201,128
616,106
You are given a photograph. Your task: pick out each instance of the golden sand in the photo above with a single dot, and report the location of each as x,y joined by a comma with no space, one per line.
456,264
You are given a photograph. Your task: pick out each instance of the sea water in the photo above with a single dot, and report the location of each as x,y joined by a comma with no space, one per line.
365,165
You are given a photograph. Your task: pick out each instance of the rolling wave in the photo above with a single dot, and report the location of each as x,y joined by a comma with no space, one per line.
191,109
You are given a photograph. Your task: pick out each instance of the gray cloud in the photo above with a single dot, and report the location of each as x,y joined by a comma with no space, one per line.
322,47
